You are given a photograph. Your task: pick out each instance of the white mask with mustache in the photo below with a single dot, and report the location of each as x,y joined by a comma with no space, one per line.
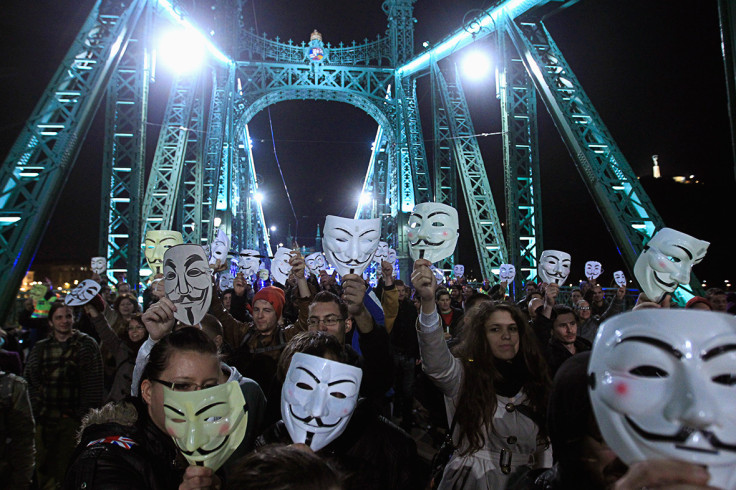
350,244
662,387
318,398
280,268
187,282
554,266
433,231
666,262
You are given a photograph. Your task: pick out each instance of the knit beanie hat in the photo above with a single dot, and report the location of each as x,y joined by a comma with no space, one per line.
273,295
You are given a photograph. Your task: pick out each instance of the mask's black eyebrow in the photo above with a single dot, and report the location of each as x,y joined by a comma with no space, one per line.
170,263
344,230
174,409
438,212
204,409
315,378
417,215
689,254
340,381
717,351
654,342
192,259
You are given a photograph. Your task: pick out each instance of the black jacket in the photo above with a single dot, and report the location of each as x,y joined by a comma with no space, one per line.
373,452
121,448
404,332
557,353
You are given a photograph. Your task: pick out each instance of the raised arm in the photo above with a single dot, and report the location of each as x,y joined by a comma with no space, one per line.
444,369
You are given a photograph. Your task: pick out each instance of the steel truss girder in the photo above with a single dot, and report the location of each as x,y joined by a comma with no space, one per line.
400,29
214,172
484,222
191,188
123,162
163,183
250,225
445,171
521,165
624,205
417,154
255,47
39,163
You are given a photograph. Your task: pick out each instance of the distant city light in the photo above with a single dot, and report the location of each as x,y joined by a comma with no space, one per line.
217,222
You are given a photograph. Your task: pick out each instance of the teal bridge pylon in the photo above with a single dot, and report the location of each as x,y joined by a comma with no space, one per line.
203,174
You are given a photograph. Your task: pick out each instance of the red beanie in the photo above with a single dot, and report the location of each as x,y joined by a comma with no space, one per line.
273,295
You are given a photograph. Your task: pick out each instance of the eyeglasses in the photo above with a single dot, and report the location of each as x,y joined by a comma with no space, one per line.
330,321
185,386
582,308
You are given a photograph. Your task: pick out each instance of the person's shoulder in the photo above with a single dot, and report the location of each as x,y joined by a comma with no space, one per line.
85,339
12,378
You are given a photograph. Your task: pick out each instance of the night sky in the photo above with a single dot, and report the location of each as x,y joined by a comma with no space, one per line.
653,71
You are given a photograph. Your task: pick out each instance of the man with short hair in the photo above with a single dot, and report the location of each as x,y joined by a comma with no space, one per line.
718,299
564,341
64,373
575,296
588,323
451,316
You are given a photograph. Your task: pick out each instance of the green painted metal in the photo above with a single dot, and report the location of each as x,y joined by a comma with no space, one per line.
40,161
484,223
521,165
163,183
123,162
400,29
445,170
191,188
624,205
217,119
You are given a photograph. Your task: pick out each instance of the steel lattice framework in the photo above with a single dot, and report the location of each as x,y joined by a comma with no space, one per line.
203,167
521,165
484,222
124,159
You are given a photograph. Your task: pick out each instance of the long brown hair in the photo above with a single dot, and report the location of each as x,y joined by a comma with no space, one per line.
477,402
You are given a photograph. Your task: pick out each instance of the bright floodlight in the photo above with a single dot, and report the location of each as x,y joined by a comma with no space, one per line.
365,198
476,65
273,227
182,51
258,197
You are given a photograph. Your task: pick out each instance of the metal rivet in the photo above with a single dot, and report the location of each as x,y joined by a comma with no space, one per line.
510,407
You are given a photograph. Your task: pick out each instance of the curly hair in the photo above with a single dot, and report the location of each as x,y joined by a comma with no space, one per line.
477,403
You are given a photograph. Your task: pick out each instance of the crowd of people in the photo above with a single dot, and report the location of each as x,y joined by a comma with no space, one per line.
502,380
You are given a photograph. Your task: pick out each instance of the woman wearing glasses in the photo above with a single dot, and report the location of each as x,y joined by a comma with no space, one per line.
125,445
495,389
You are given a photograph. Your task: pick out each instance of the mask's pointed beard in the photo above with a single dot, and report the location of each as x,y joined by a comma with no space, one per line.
190,316
308,440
